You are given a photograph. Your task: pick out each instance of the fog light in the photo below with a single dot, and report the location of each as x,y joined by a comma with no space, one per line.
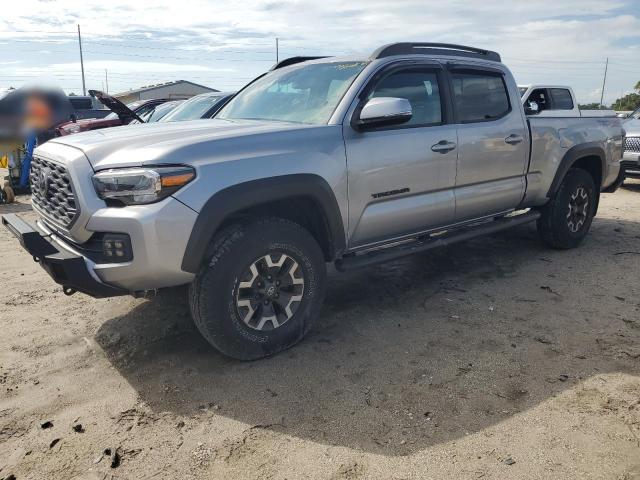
117,247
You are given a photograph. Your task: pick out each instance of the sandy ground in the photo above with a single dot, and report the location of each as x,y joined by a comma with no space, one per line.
490,359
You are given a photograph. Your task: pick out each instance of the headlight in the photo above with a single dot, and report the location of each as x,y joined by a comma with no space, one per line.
136,186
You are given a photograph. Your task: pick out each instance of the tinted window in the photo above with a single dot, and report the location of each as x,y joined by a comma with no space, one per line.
420,88
130,106
538,98
561,99
81,103
480,96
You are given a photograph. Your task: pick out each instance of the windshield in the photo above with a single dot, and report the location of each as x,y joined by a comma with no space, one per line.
305,93
131,106
157,113
192,109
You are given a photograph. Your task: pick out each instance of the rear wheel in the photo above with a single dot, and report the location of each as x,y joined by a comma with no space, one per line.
9,194
566,219
261,288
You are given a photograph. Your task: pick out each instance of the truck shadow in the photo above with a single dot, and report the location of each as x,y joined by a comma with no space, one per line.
407,354
16,207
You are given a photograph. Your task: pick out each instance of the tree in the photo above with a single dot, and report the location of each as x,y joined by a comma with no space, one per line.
628,102
590,106
637,87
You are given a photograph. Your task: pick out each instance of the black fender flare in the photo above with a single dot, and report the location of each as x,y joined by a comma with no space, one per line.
254,193
575,153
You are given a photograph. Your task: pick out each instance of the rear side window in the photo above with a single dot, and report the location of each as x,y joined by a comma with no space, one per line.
420,87
561,99
480,97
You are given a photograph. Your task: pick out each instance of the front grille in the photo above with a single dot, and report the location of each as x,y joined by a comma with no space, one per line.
632,144
52,192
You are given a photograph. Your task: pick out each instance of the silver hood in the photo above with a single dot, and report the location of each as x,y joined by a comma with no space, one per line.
157,143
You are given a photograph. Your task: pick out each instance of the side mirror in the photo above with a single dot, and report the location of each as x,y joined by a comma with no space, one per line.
384,111
531,108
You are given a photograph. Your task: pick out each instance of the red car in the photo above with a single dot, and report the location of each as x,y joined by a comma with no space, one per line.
121,114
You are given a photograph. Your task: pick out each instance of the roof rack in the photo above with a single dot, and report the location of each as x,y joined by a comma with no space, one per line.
426,48
292,61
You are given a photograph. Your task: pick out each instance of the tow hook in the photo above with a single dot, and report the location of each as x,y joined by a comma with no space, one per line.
68,291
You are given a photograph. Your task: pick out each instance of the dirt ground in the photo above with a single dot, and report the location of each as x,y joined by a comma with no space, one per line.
495,358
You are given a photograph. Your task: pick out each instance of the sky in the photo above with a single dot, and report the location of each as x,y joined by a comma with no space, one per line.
223,44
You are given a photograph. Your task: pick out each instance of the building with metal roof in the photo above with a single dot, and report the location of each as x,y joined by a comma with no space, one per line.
176,90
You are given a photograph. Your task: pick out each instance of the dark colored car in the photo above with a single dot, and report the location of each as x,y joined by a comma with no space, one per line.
205,105
87,106
121,114
158,113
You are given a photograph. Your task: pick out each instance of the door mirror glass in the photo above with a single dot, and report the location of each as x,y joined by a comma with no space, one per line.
383,111
531,108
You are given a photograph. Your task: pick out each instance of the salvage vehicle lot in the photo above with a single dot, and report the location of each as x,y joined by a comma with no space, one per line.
494,358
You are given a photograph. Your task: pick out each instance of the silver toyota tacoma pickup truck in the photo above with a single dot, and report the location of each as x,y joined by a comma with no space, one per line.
345,160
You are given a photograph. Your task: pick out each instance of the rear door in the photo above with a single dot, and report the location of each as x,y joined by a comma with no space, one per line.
492,142
401,178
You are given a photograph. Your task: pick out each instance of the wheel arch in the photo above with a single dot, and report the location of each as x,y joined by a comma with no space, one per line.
305,198
587,156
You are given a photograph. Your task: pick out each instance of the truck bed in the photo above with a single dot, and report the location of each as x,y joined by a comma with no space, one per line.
553,137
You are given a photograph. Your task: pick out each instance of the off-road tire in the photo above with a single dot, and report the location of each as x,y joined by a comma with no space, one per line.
214,294
558,227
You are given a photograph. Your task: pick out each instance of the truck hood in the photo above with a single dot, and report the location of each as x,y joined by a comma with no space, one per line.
124,113
161,143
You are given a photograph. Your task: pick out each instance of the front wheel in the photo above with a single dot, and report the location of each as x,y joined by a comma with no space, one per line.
261,289
566,219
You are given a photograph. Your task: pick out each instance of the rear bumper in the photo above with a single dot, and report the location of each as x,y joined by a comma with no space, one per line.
65,267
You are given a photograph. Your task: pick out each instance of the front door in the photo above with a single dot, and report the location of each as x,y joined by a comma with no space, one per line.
401,178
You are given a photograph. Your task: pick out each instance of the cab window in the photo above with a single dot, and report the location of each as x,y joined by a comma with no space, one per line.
561,99
420,87
480,97
537,101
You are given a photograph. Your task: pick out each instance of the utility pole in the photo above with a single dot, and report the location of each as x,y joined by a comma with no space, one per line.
277,52
604,81
106,79
84,89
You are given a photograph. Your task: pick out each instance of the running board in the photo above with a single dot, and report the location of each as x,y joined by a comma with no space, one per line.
431,242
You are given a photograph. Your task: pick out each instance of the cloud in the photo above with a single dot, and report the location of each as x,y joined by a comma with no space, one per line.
542,41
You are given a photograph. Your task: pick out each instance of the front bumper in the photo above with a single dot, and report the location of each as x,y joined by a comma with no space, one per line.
631,164
65,267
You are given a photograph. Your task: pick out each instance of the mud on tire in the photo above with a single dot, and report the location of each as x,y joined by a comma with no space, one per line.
260,289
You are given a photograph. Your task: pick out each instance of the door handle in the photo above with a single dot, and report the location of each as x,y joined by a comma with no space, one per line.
443,146
513,139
